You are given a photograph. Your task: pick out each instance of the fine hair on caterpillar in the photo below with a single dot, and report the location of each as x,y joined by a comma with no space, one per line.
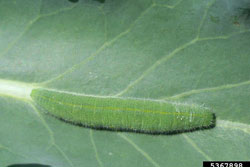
174,132
124,114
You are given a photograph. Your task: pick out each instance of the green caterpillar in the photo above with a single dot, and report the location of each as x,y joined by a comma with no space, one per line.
123,114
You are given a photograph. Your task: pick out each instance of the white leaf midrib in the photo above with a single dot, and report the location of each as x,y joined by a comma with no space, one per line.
15,89
22,90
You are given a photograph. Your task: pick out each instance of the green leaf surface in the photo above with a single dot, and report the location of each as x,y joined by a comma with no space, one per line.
183,50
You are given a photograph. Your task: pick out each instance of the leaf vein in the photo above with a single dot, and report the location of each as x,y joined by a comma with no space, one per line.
12,152
155,65
139,150
101,48
95,149
64,155
204,16
234,126
52,140
212,89
196,147
29,25
170,6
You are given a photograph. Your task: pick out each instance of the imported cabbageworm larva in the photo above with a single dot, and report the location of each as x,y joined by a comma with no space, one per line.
123,114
